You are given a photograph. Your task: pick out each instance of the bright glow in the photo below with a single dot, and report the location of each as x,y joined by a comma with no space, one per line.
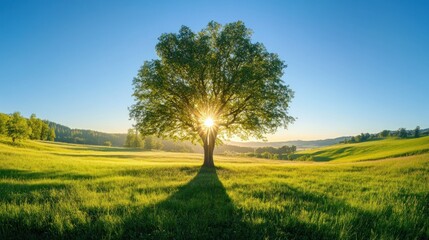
209,122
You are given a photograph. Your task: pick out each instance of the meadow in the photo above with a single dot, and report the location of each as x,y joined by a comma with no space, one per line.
371,150
371,190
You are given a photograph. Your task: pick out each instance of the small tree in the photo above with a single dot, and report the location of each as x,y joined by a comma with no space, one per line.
417,132
148,143
51,136
107,143
17,127
133,140
45,131
3,123
402,133
384,133
266,155
130,138
157,143
35,125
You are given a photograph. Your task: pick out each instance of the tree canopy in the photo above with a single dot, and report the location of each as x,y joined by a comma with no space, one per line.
217,73
17,127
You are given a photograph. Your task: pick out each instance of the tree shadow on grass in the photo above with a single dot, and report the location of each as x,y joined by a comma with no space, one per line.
202,209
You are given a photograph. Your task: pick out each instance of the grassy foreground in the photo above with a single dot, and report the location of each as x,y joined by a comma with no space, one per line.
62,191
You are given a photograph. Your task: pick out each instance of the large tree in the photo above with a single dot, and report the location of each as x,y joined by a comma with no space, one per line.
212,84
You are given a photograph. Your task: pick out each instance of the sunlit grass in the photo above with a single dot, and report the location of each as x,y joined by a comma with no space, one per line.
51,190
372,150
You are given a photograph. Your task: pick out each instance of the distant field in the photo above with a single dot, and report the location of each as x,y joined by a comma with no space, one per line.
372,150
63,191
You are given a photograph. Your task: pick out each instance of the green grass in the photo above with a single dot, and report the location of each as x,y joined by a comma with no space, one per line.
63,191
372,150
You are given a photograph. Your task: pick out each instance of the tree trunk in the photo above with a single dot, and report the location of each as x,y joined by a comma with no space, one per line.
209,145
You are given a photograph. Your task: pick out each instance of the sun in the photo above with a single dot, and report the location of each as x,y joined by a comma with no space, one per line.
209,122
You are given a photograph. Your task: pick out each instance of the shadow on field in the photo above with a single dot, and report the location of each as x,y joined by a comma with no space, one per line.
201,209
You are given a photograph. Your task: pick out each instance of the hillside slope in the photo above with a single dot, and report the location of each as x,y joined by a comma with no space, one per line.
300,144
371,150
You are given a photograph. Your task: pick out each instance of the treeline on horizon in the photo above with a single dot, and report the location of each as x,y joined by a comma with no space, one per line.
18,127
88,137
135,140
280,153
400,133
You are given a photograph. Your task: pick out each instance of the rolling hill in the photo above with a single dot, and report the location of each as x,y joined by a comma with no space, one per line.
371,150
300,144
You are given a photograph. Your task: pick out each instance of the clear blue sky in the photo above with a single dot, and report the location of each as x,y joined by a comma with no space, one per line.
355,66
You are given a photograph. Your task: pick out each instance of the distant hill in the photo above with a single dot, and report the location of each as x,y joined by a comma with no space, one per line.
300,144
90,137
81,136
370,150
